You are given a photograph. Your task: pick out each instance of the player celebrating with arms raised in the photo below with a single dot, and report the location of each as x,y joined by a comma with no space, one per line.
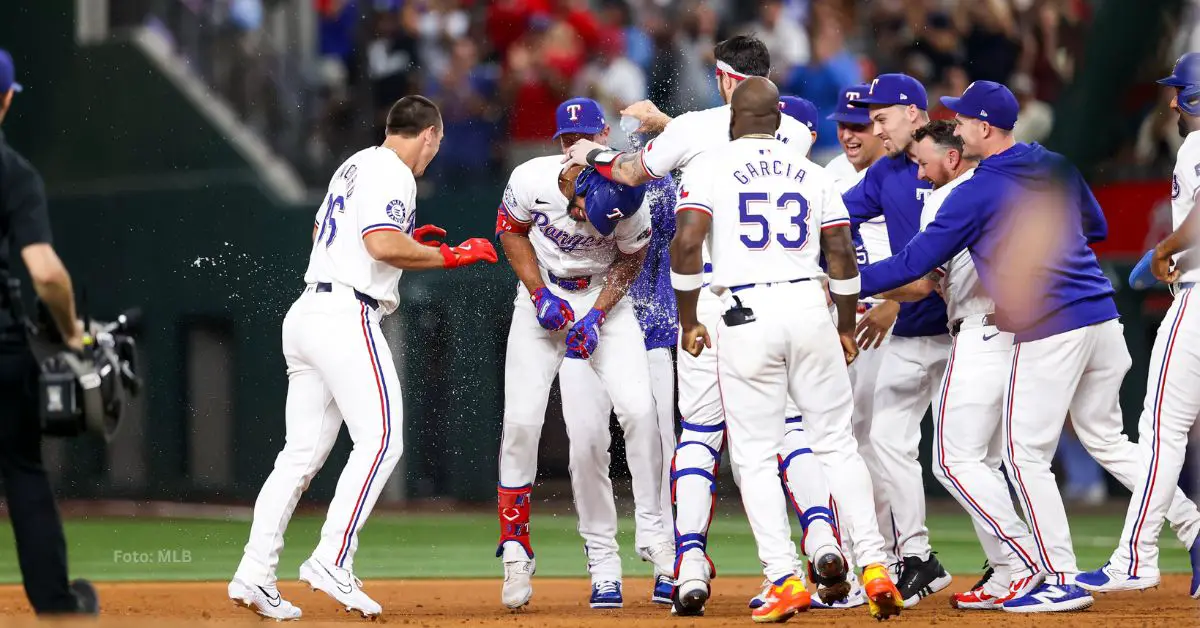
778,337
339,366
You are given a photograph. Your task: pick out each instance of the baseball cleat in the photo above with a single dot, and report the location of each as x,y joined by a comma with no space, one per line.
855,598
921,578
829,572
663,585
1194,555
782,601
760,598
976,599
689,598
607,594
883,598
1107,580
339,584
86,600
518,582
662,556
1019,587
265,601
1050,598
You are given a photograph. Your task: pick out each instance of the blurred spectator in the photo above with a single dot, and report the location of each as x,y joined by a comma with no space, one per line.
1053,42
954,84
993,43
440,24
392,62
937,47
682,78
538,76
618,15
831,68
1036,117
614,81
337,32
785,38
466,91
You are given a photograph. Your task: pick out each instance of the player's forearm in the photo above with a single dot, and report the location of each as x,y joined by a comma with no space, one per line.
1182,238
521,256
843,267
398,250
686,259
914,291
626,168
620,276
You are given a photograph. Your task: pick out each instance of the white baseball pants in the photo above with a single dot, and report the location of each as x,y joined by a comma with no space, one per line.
339,370
968,449
620,362
586,409
1079,371
791,347
909,374
1170,410
698,456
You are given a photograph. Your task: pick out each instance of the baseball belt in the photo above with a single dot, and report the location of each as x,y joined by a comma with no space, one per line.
986,321
366,299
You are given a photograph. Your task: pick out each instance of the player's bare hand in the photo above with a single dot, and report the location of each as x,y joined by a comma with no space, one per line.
653,120
74,341
1163,268
849,347
875,324
694,339
578,152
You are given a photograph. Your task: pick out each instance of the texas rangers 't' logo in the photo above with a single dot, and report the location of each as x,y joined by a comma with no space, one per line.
573,110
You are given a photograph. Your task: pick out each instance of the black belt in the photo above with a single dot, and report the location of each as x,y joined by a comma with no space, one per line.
769,283
370,301
956,326
574,284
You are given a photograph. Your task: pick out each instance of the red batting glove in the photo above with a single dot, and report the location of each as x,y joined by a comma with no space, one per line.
429,235
469,252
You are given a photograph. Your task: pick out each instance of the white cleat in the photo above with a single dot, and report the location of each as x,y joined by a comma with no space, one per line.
265,601
662,556
518,582
340,585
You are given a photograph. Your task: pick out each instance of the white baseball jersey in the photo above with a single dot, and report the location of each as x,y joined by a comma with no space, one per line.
1185,182
372,191
768,204
960,283
875,244
565,246
697,131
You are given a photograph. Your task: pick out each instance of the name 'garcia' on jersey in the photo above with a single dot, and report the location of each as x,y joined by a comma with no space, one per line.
774,168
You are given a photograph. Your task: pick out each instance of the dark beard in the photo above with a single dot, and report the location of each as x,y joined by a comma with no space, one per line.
1183,129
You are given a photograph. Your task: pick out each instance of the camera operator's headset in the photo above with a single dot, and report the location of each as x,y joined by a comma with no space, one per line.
81,392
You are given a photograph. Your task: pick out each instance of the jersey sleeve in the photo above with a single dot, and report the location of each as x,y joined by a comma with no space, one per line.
670,150
862,200
695,190
387,202
24,202
513,215
633,233
833,212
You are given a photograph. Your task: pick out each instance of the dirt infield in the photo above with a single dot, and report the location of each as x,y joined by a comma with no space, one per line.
564,603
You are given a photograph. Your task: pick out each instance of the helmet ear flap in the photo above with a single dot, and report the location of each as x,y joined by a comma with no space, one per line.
1189,100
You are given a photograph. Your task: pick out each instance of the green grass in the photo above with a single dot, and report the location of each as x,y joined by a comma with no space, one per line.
462,546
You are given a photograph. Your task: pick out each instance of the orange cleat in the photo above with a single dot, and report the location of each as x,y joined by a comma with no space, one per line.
781,601
883,599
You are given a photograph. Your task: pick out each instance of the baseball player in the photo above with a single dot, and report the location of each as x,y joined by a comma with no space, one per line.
702,435
860,149
803,111
777,330
1172,403
967,447
586,405
576,242
340,369
912,367
1029,244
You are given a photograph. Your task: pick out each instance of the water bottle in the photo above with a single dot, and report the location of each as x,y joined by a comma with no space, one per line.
630,124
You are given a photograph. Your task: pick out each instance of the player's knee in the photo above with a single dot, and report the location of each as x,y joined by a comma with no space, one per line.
690,454
588,454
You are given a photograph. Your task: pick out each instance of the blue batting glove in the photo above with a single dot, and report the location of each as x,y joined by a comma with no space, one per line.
584,334
553,312
1141,278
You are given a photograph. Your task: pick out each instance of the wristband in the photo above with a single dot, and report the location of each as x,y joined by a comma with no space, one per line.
684,283
603,159
846,287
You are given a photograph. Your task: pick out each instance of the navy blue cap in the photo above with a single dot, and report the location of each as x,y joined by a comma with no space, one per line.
894,89
988,101
579,115
607,202
8,74
848,113
801,109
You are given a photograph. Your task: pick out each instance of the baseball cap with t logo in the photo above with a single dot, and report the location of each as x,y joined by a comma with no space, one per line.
579,115
894,89
8,74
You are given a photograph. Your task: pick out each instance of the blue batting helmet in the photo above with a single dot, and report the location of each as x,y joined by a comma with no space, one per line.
1186,78
607,202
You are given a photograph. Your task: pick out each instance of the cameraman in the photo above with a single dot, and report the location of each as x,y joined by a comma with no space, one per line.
25,227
